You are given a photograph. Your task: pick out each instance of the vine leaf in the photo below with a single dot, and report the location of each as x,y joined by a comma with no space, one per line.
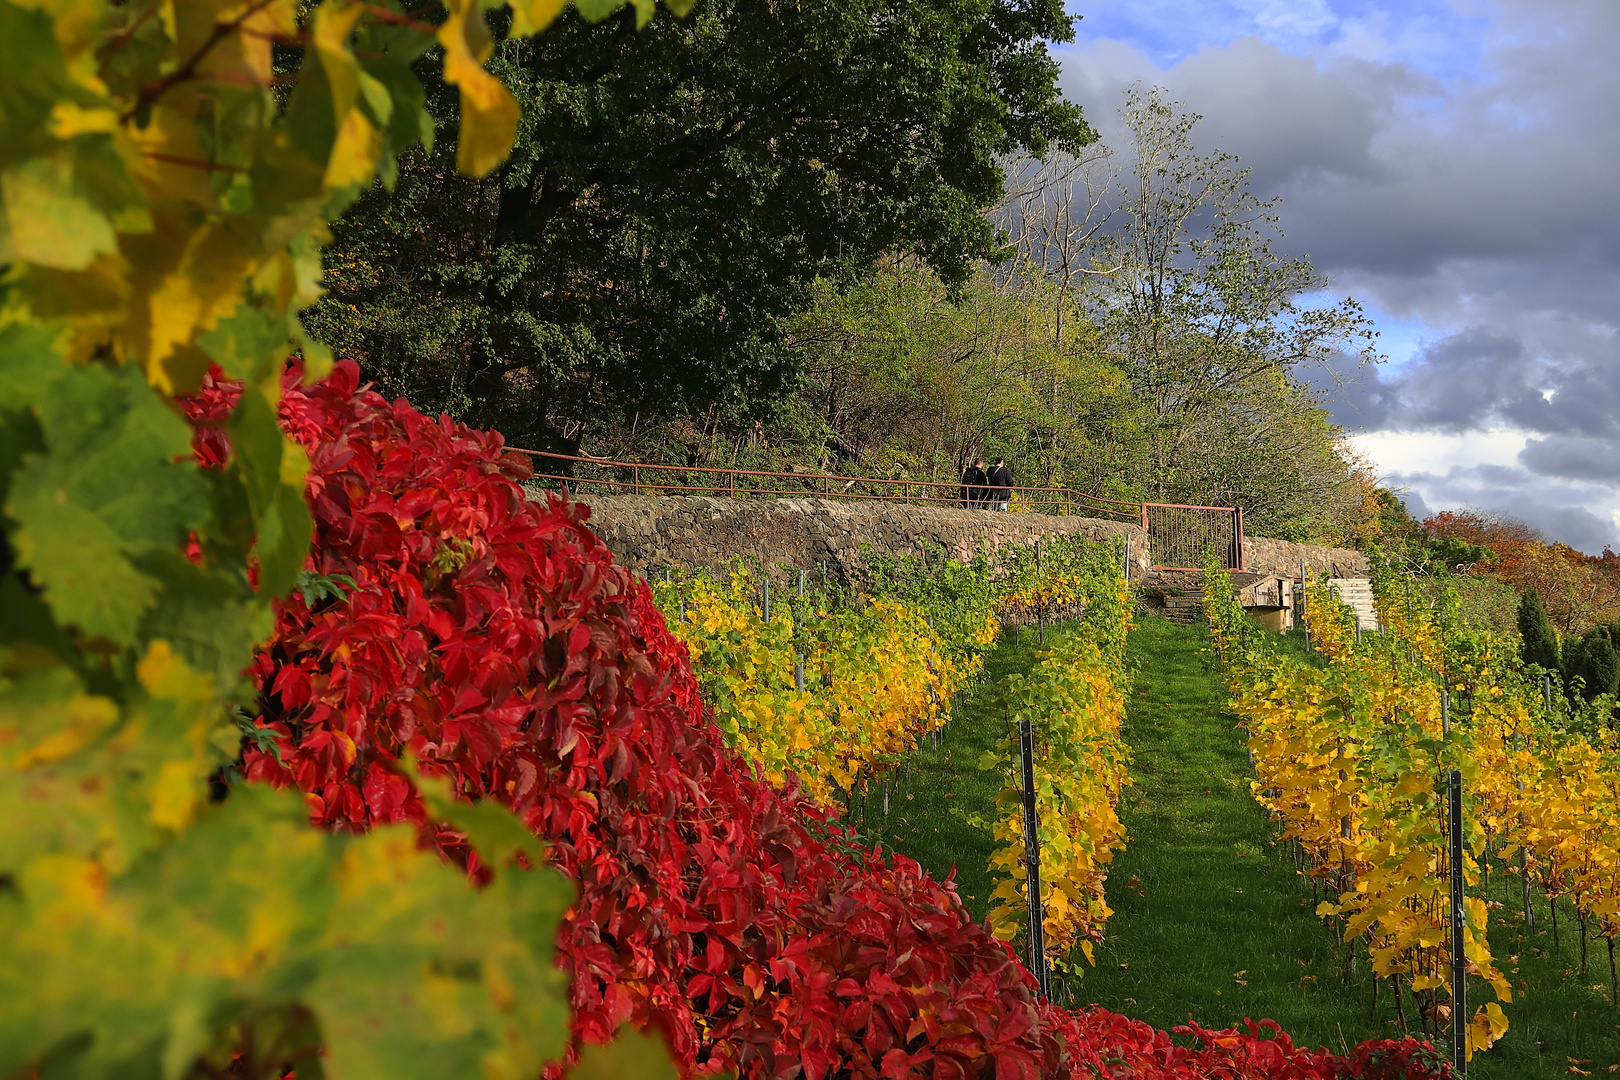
489,113
631,1053
533,16
107,487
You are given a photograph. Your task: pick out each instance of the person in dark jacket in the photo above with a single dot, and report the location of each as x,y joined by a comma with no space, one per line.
973,482
1001,482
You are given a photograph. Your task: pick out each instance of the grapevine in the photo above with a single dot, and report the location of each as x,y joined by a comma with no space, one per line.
1075,704
832,694
835,691
1348,755
1074,700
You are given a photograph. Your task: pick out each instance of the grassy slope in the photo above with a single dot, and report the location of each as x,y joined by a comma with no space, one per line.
1209,920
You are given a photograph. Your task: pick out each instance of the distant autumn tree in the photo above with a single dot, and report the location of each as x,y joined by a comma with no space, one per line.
1579,591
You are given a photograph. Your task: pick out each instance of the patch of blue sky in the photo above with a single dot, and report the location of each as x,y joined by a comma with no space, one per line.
1441,38
1401,341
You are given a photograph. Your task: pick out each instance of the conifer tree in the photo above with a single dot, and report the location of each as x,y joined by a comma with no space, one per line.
1540,639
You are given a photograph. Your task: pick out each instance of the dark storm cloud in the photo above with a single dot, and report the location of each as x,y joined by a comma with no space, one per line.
1387,170
1464,379
1483,377
1580,458
1479,203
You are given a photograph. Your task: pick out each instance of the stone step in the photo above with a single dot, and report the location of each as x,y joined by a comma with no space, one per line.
1184,610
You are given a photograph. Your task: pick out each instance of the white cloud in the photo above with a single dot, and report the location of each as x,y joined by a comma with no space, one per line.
1415,452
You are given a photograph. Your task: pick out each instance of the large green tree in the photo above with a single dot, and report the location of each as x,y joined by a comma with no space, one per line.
1213,324
674,193
905,379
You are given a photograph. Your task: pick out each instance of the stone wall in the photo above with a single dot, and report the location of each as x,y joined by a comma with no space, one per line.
650,532
688,532
1281,558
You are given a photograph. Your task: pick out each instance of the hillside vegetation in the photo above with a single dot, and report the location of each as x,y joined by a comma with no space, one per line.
1115,321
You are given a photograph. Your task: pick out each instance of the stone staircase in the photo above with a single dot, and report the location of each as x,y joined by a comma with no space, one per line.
1178,595
1184,610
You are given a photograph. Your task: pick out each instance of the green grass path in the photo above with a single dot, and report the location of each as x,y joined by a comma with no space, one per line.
1210,921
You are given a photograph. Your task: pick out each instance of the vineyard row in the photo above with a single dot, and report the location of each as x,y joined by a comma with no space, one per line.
836,688
1350,744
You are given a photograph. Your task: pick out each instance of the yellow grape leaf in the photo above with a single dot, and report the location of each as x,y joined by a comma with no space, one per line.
47,223
69,120
489,114
48,716
180,710
1488,1025
533,16
203,287
1413,783
166,149
87,302
176,794
275,18
354,153
330,34
358,144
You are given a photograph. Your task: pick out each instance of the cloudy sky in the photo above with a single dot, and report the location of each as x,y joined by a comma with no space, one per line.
1455,164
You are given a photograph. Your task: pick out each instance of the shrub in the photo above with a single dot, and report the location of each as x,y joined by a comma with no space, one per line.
1593,660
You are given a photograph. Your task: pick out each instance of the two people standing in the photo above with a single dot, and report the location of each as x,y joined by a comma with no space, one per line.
987,491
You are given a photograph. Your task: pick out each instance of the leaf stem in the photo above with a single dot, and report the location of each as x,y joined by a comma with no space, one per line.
152,91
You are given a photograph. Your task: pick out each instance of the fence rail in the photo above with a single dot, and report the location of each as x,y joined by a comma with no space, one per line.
1177,535
579,473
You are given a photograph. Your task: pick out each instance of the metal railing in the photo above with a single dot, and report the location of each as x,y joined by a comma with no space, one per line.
1178,535
628,477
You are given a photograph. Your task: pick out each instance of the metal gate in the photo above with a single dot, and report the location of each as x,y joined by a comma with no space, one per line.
1178,536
